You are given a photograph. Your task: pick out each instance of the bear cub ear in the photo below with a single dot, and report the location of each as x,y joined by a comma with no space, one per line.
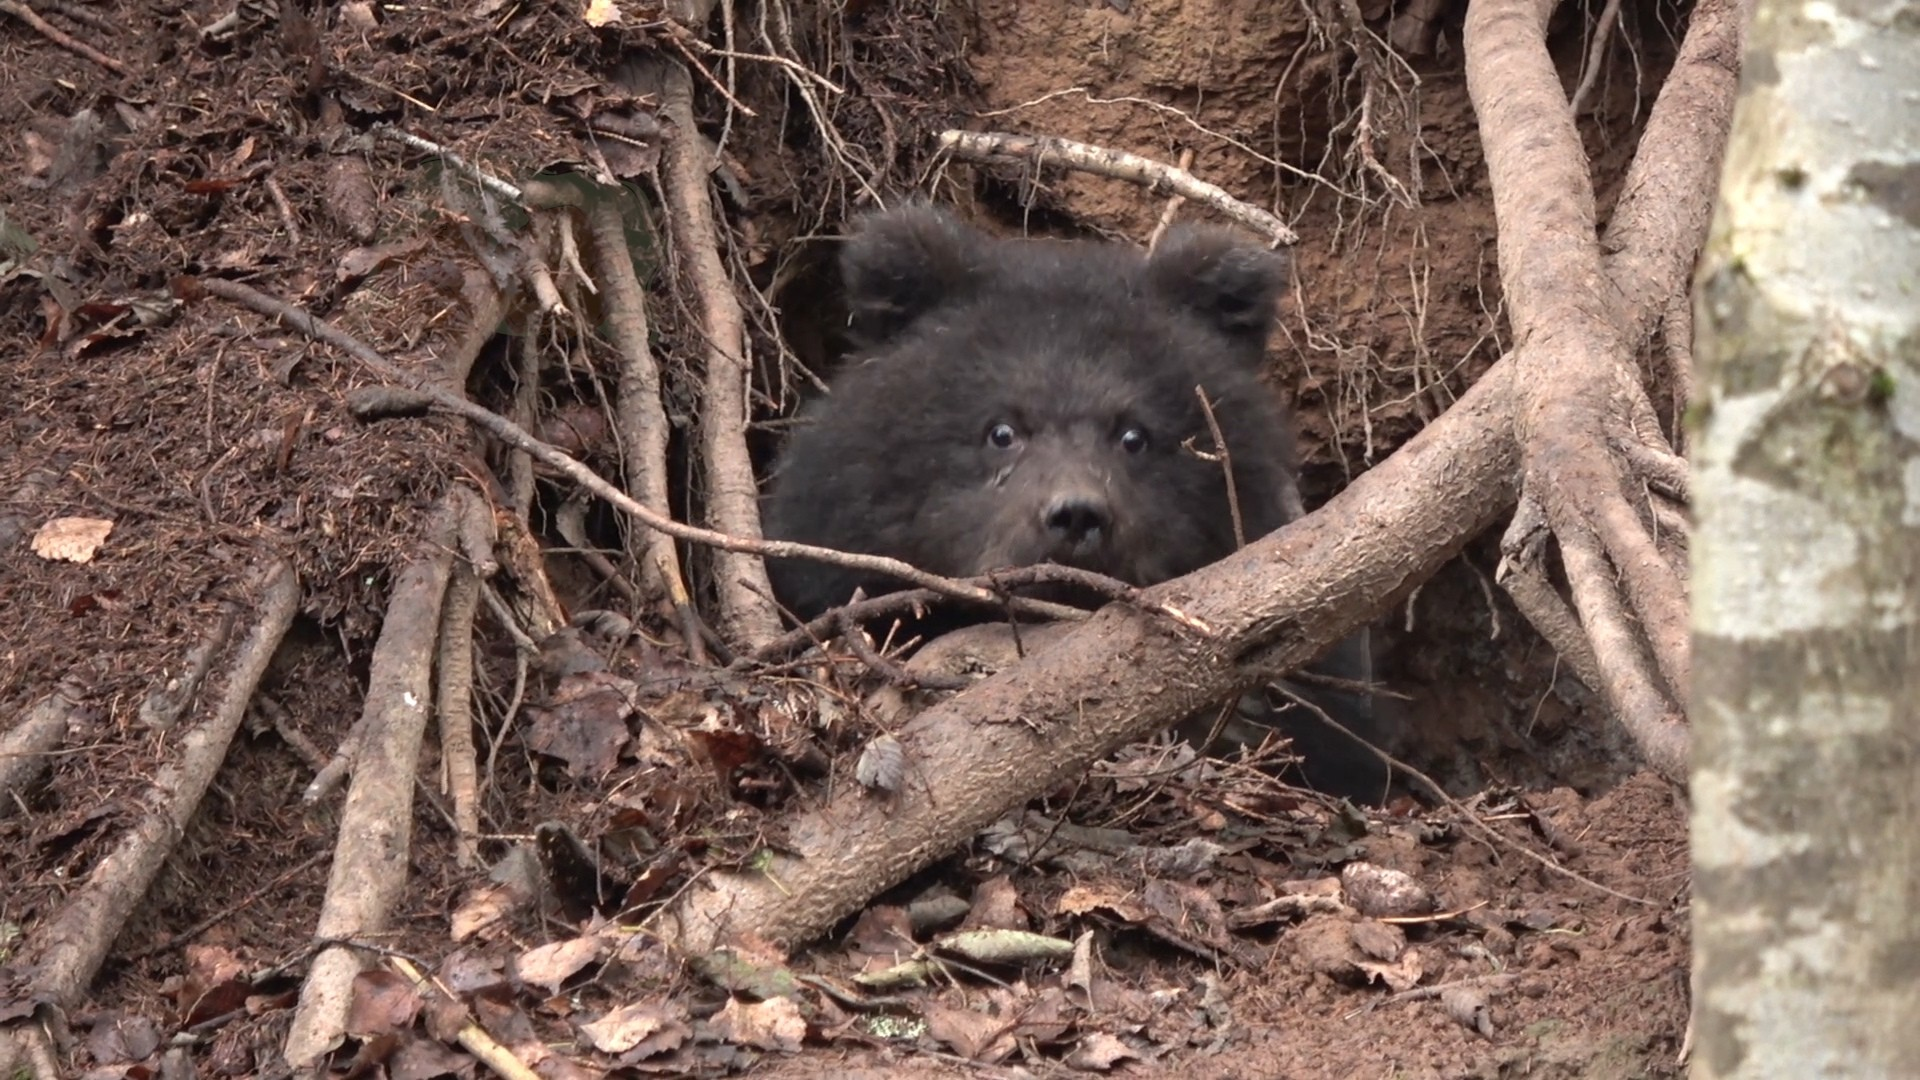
1227,281
901,263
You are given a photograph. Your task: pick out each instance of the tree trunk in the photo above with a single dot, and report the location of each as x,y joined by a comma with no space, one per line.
1806,578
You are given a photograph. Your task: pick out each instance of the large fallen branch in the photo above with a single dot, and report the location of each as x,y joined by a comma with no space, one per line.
370,859
1125,674
65,952
1121,676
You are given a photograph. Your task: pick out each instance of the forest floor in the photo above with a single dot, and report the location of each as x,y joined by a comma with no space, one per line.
1213,921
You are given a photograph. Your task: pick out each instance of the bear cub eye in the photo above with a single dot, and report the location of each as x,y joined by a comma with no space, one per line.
1001,435
1133,440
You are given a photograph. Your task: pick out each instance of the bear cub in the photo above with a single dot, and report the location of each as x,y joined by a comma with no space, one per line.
1014,402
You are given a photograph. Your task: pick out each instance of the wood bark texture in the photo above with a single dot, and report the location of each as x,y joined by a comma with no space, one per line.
1806,571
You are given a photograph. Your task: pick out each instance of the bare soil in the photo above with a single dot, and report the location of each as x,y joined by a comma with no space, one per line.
1217,935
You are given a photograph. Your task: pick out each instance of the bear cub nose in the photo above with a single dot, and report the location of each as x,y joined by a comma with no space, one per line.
1076,519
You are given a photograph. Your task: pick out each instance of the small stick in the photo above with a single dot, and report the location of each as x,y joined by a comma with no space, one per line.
485,179
1225,458
518,437
1173,205
905,600
1118,164
285,210
59,37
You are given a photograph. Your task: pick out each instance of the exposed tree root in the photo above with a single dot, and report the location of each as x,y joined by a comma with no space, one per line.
28,741
1580,393
640,414
1120,676
747,615
64,952
454,675
370,858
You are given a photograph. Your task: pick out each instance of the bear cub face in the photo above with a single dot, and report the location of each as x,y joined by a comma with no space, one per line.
1016,401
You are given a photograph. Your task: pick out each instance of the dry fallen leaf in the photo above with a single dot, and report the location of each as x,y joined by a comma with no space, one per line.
1401,974
625,1027
1099,1052
552,965
71,539
882,765
383,1003
488,906
774,1024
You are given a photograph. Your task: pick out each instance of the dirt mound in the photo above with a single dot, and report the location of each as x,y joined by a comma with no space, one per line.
1165,915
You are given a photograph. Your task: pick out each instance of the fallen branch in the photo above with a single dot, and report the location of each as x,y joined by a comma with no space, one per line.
1036,150
1120,676
514,435
370,858
65,952
27,743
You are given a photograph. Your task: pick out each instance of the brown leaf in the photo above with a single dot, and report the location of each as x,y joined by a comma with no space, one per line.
628,1026
424,1059
1401,974
550,966
727,750
883,930
996,905
586,732
1099,1052
118,1039
774,1024
382,1002
488,906
882,764
71,539
973,1035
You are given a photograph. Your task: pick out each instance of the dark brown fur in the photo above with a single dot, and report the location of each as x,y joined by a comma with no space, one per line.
1015,402
1069,345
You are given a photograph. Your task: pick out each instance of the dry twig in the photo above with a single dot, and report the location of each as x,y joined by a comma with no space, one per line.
60,37
514,435
1036,150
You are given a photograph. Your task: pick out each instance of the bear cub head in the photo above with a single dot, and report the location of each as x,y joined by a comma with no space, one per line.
1014,402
